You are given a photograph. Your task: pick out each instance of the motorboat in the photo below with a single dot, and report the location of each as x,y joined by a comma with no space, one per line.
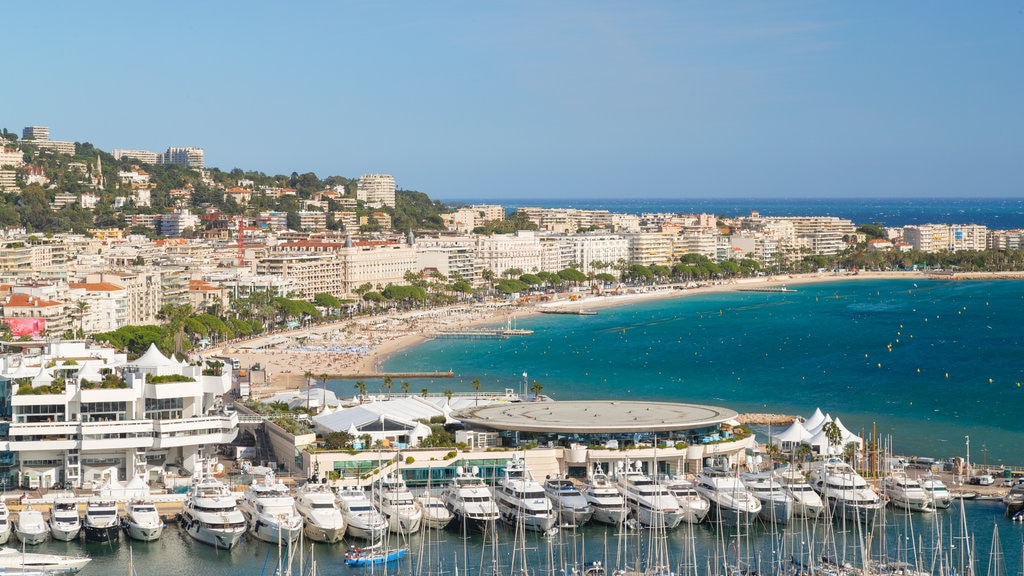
210,513
605,500
521,499
362,520
845,491
435,514
269,510
570,505
31,528
5,522
652,503
469,501
323,519
101,523
693,506
731,503
907,493
14,561
394,500
1014,500
806,502
776,503
937,490
142,521
65,523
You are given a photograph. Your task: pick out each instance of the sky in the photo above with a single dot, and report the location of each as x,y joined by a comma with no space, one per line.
533,99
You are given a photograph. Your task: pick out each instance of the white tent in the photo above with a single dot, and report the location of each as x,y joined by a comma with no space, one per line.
43,378
819,443
815,420
816,429
849,436
792,437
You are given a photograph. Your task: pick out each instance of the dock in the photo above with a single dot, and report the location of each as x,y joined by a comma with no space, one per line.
774,289
481,333
394,375
573,311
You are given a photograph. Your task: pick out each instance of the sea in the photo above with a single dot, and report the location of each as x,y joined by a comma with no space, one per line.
934,367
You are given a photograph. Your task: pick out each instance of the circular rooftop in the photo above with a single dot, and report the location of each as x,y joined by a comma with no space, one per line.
594,416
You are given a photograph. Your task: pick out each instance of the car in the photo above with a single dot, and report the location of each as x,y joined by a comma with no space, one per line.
1008,482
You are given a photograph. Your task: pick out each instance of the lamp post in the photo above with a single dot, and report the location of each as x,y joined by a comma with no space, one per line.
525,381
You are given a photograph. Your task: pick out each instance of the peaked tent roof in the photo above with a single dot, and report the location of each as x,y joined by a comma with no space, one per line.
153,358
815,420
796,433
816,429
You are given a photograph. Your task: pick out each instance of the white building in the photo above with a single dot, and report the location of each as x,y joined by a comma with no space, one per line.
102,419
144,156
376,190
104,306
184,156
500,252
946,237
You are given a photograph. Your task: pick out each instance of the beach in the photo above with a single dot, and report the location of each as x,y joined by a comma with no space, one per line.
358,347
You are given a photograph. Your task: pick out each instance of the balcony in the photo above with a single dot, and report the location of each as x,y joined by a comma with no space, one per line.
196,431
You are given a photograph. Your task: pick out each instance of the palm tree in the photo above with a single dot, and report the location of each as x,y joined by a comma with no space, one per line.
388,383
536,389
476,386
802,452
79,314
425,392
323,382
448,394
308,375
405,388
833,435
361,387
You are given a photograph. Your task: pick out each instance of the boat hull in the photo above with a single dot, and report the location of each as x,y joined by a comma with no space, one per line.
274,533
529,522
32,538
325,534
613,516
5,534
776,511
143,533
730,516
402,523
358,559
65,531
109,533
365,532
221,538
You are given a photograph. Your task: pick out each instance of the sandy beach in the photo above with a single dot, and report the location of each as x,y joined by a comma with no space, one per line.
359,346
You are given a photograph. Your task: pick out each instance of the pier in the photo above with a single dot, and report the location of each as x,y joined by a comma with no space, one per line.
396,375
766,289
577,311
481,333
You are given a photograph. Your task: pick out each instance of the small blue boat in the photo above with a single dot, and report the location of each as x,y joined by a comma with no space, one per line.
360,557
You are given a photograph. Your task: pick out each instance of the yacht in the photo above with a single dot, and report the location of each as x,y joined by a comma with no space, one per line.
693,506
14,561
907,493
5,522
936,489
651,503
362,520
101,523
65,524
1014,500
269,509
845,491
731,503
776,503
469,501
521,499
30,527
806,502
142,521
317,505
604,498
394,500
210,513
573,509
435,514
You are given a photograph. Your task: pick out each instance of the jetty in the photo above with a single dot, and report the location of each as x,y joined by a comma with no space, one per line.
766,289
481,333
574,311
395,375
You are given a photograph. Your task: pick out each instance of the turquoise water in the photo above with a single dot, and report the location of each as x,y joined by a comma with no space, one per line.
927,362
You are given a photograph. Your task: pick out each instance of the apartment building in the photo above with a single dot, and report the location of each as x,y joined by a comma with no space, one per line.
946,237
97,306
500,252
649,248
184,156
143,289
376,190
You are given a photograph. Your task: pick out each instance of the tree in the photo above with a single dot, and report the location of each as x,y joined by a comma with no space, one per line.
833,435
308,375
476,386
425,392
388,383
802,453
448,394
338,441
405,388
361,387
536,388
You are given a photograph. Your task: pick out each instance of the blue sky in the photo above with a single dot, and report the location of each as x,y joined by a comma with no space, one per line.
545,99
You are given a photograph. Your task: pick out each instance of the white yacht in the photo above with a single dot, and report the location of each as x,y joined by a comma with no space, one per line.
394,500
731,503
936,489
141,520
30,527
1014,501
907,493
362,520
776,503
269,509
316,503
101,523
806,502
469,501
604,498
14,561
65,523
521,499
693,506
572,508
5,522
651,503
435,514
845,491
210,513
